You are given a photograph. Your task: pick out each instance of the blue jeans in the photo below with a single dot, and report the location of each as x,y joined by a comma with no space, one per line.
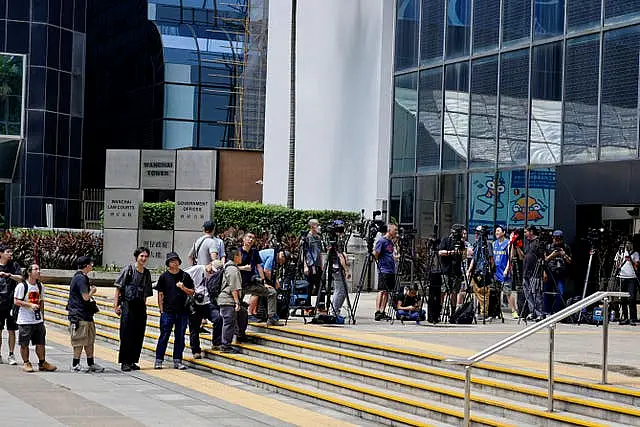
411,314
167,323
553,303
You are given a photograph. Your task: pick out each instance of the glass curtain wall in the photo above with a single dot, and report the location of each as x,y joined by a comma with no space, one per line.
504,92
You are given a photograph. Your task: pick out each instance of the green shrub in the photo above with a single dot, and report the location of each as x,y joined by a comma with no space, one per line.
158,216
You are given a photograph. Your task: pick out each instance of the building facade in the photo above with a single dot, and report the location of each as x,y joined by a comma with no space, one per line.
51,35
515,112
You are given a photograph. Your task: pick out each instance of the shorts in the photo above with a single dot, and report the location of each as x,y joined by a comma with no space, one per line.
452,284
507,287
11,324
82,333
35,334
386,282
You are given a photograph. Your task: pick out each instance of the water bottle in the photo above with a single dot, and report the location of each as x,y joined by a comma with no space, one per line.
597,315
612,316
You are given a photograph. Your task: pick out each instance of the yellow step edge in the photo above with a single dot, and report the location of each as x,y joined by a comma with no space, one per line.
451,375
490,367
270,381
101,303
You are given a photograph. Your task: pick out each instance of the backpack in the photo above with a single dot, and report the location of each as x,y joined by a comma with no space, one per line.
130,291
214,284
463,315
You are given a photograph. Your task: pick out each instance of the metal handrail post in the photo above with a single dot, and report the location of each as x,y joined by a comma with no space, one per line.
605,338
552,330
467,396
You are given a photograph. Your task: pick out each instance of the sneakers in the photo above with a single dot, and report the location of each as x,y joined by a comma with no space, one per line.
27,367
78,368
125,367
230,350
215,348
272,321
515,316
47,367
378,316
135,367
177,364
96,369
253,319
12,360
197,355
158,364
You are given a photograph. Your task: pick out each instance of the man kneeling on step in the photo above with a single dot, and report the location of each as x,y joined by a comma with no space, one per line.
29,301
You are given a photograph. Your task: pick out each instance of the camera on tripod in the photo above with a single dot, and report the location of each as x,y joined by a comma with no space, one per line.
456,236
369,228
406,238
333,230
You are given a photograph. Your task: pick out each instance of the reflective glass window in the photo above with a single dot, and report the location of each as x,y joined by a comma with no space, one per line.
580,133
510,197
548,18
426,201
75,180
458,28
11,95
404,123
40,10
35,131
38,54
19,10
620,10
486,25
17,37
63,135
516,21
52,90
50,133
429,120
453,209
178,134
66,50
541,197
180,102
402,199
456,116
546,104
33,175
484,107
214,135
62,181
37,86
217,105
66,20
514,108
486,194
79,15
3,9
583,14
75,139
619,110
54,12
9,151
407,19
53,47
432,31
64,99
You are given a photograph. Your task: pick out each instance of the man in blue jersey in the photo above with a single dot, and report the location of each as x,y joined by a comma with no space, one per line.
502,273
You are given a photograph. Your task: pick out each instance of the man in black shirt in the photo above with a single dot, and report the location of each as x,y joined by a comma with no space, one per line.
409,306
174,285
452,251
10,276
531,273
558,258
81,309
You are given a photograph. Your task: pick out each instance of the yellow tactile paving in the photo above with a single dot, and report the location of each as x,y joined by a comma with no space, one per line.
256,402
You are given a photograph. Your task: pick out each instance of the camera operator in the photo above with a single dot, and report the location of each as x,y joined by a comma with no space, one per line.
312,250
531,282
452,250
557,257
480,269
629,260
502,274
383,252
410,306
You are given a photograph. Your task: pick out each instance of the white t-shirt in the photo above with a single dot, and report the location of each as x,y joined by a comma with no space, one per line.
626,270
27,316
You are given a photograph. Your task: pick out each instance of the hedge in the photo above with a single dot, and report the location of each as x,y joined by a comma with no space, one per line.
252,216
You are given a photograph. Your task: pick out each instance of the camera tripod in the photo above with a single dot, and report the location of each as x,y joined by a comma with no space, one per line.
398,290
447,309
365,275
540,270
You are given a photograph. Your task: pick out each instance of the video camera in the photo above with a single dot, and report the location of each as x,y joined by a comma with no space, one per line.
406,238
369,228
602,238
456,236
333,230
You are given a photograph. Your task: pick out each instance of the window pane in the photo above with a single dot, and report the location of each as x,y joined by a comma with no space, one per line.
620,10
456,117
432,31
581,100
454,195
430,120
583,14
404,123
11,96
37,87
407,16
178,134
402,193
217,106
516,21
486,24
17,37
619,110
484,105
180,102
458,28
546,104
541,197
508,209
53,47
485,194
19,10
38,52
52,90
549,19
54,12
514,87
427,197
40,10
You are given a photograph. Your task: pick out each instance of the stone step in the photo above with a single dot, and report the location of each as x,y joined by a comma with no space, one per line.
419,387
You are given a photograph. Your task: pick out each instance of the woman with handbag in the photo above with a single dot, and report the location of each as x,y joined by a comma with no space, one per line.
133,287
81,308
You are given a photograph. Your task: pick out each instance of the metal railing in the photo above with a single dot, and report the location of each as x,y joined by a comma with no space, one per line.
550,322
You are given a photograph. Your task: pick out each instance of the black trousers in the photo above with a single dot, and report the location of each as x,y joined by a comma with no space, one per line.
206,311
628,305
133,323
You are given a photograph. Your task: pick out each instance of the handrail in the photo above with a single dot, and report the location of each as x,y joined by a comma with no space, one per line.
550,322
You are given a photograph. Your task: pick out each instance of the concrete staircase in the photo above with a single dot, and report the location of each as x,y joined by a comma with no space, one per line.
388,385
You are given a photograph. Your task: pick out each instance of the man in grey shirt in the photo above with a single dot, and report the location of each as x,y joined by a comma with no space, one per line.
207,247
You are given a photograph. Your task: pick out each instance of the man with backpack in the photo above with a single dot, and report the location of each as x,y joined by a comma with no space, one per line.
207,247
133,287
10,276
204,305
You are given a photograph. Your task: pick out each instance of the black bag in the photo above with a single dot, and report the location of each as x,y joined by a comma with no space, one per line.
131,291
214,284
434,300
324,319
282,304
92,306
463,315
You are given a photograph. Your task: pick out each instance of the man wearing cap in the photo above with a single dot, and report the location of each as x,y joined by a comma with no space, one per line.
558,258
174,286
207,247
